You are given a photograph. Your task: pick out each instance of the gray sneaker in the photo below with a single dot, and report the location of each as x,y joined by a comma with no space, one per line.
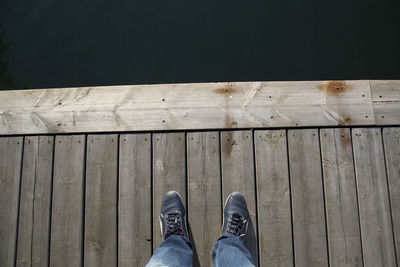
236,216
172,215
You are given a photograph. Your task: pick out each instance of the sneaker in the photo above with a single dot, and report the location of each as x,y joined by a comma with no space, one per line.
236,216
172,215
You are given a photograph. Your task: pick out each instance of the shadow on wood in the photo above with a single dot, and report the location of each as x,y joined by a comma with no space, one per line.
196,262
251,242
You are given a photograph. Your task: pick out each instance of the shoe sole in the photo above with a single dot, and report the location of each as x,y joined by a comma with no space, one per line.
159,219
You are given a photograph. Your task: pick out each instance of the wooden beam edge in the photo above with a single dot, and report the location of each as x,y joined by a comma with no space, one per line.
237,106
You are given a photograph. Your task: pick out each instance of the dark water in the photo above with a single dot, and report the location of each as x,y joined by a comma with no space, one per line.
56,43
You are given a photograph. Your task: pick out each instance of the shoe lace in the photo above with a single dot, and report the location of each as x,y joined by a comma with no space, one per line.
236,225
173,224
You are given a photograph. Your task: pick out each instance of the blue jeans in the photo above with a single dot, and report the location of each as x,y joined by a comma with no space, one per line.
176,250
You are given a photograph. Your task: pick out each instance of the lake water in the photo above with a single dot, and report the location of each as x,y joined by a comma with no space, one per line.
56,43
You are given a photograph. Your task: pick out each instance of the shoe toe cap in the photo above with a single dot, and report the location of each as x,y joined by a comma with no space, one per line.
172,200
236,202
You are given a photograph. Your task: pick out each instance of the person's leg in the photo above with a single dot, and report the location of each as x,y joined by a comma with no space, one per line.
176,249
230,249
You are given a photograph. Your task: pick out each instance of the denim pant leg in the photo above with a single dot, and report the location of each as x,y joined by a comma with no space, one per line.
176,250
229,251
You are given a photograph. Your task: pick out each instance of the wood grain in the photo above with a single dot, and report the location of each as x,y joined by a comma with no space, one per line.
386,101
391,138
100,246
169,173
204,192
186,106
307,198
134,223
10,178
238,176
273,192
34,214
373,198
341,198
68,190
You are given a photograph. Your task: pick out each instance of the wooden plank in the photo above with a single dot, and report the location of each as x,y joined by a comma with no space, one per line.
310,248
386,101
10,171
273,192
101,201
238,175
373,199
134,223
391,138
341,198
34,214
67,207
204,192
169,173
186,106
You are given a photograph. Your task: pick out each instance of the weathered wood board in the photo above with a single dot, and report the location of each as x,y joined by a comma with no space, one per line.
238,176
391,138
67,204
309,230
134,222
373,198
35,201
204,192
273,192
100,246
186,106
169,173
10,171
386,101
341,198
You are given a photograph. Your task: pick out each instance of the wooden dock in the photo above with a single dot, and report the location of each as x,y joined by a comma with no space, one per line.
318,194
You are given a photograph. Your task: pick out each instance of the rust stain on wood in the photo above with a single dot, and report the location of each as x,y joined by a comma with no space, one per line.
344,138
345,121
228,143
334,88
348,121
226,90
229,123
